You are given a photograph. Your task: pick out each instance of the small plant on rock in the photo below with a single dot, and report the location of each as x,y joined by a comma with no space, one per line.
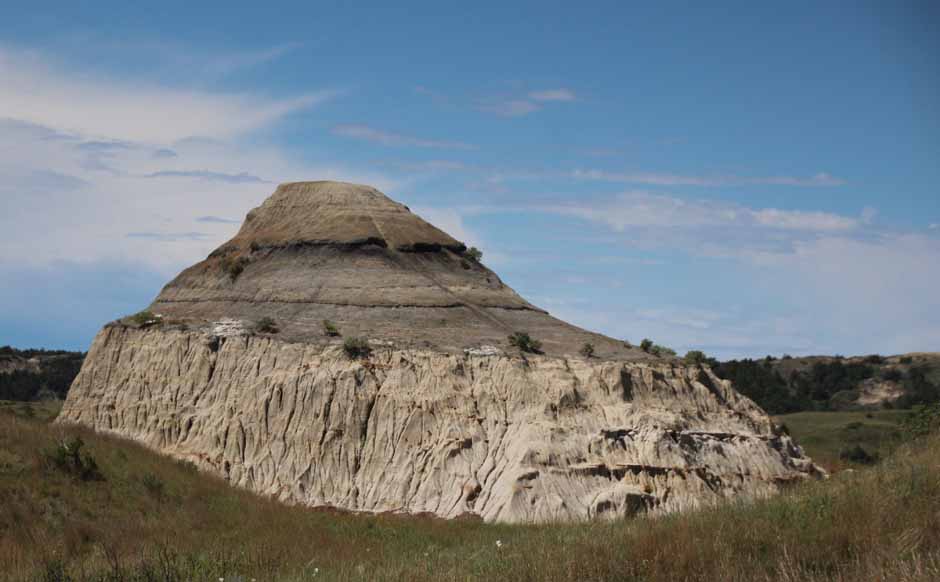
357,347
474,254
234,266
695,357
646,345
587,350
266,325
525,343
330,329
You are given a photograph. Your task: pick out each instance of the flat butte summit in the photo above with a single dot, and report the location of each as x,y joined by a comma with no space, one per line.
340,351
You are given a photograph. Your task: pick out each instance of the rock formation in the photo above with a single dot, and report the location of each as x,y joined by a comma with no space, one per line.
444,416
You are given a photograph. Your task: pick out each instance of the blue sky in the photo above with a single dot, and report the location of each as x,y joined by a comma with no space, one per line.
732,177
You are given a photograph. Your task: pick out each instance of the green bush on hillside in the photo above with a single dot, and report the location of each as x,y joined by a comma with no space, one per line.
67,457
329,328
266,325
357,347
525,343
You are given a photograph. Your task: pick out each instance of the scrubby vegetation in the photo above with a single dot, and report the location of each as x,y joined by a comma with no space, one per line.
152,518
266,325
234,266
587,350
649,347
48,377
145,318
357,347
330,329
790,385
474,254
525,343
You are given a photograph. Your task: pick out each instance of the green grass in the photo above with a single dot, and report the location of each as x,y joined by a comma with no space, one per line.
823,435
152,518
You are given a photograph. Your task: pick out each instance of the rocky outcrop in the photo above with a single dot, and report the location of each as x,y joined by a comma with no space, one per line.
444,416
503,437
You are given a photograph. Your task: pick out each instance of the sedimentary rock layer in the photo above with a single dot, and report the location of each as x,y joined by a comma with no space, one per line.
504,437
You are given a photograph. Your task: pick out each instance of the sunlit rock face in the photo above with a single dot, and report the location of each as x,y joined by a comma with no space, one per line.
444,416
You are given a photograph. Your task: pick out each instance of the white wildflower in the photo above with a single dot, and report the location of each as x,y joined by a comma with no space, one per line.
499,544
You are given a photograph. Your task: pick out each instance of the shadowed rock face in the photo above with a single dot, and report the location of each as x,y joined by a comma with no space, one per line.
443,417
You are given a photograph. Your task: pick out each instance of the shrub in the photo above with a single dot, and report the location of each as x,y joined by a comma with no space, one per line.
154,485
525,343
695,358
255,246
330,329
662,351
68,458
646,345
357,347
266,325
587,350
234,266
857,454
906,360
892,375
923,420
474,254
874,359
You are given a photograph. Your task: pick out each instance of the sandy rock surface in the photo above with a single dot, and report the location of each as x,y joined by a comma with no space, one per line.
502,437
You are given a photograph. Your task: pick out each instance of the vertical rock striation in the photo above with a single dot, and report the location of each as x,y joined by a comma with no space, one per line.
436,420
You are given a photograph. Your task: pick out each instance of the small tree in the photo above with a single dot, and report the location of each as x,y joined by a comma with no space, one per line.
695,357
587,350
357,347
525,343
646,345
329,329
474,254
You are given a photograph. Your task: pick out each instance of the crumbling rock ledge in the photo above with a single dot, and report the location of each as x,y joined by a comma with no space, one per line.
507,438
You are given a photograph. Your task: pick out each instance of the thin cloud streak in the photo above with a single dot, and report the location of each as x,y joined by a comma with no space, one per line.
657,179
240,178
560,94
387,138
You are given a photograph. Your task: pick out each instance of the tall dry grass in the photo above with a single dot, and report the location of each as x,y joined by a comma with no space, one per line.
155,519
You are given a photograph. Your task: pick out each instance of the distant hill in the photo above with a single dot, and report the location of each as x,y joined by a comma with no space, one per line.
37,374
784,385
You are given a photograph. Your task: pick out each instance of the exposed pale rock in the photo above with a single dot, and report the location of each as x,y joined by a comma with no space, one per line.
506,438
444,416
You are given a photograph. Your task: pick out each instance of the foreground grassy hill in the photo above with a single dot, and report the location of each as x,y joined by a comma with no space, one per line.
132,515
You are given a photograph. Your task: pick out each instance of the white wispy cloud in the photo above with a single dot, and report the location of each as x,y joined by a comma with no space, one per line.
39,91
116,170
239,178
560,94
387,138
510,107
666,179
644,209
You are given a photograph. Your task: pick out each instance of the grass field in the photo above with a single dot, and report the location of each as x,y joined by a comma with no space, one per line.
150,518
824,435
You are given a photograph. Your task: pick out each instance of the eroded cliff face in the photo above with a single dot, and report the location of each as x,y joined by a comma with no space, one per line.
507,438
